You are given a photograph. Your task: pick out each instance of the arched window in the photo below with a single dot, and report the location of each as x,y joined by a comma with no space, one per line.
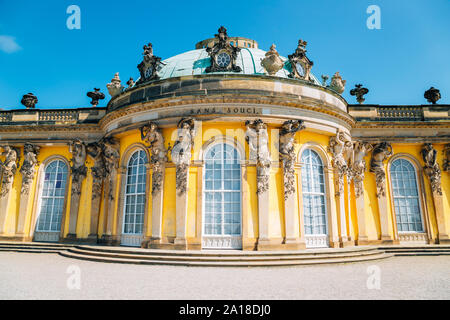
406,196
314,200
135,197
48,225
222,198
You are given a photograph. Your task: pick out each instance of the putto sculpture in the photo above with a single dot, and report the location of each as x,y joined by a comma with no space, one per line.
287,153
300,64
148,68
339,146
29,100
151,134
381,152
182,151
115,87
337,84
272,61
432,95
359,92
95,96
258,141
130,83
28,168
9,167
431,167
79,170
222,54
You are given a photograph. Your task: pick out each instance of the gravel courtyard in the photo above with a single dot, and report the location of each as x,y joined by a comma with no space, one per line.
45,276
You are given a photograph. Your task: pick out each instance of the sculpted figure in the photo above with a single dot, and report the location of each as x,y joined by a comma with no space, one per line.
381,152
339,146
152,135
9,167
78,168
182,151
98,170
358,164
111,155
287,153
28,168
258,140
447,157
431,168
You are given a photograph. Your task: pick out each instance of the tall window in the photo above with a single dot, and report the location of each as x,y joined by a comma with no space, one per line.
222,209
52,198
313,188
135,194
406,196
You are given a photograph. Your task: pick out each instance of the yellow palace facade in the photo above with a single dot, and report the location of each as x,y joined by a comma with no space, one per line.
227,147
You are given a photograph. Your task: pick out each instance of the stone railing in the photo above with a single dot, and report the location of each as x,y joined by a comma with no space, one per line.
63,116
399,113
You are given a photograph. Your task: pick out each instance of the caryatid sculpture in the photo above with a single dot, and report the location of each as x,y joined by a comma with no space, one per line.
287,153
381,152
258,141
431,168
182,152
151,134
98,169
78,168
110,151
446,151
358,165
28,169
339,147
9,167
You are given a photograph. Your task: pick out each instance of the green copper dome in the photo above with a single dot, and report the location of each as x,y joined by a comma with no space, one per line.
196,61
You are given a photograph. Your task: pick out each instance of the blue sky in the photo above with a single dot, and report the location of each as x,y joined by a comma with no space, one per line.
39,54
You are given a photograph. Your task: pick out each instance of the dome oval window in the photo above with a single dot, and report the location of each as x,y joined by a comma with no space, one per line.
223,59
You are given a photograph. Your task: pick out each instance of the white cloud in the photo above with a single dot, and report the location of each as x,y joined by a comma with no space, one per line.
8,44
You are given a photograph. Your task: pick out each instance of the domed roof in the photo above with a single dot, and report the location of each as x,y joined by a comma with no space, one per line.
195,62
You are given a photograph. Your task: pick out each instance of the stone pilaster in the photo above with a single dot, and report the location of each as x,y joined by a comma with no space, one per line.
182,182
158,177
291,217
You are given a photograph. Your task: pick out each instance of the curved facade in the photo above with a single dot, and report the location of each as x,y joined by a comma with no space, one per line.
227,147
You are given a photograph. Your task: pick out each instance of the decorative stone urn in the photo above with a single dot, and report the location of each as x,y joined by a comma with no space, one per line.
432,95
337,84
272,62
29,100
115,86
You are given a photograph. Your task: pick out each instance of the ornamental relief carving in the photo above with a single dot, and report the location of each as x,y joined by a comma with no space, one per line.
341,148
9,167
79,170
258,141
287,153
152,135
149,66
381,152
182,152
431,168
223,55
28,169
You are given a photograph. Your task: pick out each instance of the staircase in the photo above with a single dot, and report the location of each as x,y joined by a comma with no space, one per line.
224,258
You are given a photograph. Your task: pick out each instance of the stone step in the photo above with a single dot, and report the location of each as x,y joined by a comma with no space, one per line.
29,247
223,253
404,254
221,263
263,257
30,250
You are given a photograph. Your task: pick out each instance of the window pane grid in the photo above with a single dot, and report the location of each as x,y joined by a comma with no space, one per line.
313,189
222,191
52,198
135,198
406,198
